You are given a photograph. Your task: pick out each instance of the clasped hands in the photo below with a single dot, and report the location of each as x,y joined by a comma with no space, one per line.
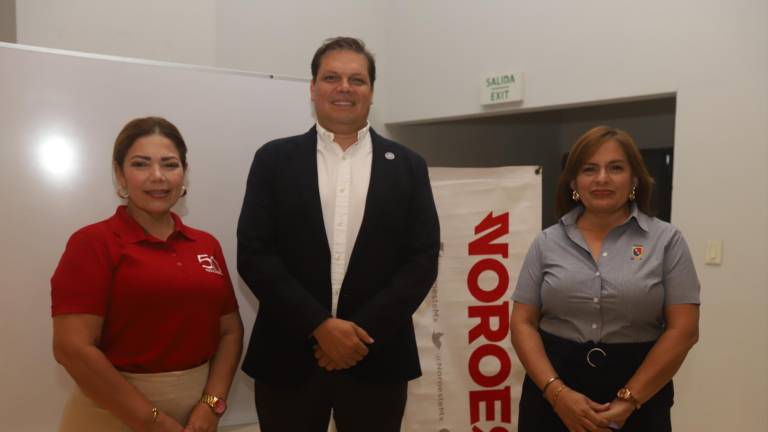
340,344
201,419
581,414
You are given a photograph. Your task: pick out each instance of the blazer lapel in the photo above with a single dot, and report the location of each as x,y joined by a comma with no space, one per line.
307,179
382,172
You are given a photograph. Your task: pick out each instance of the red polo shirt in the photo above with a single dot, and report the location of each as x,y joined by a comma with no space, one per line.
161,300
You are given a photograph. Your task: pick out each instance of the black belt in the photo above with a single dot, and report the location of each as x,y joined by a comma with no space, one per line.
595,355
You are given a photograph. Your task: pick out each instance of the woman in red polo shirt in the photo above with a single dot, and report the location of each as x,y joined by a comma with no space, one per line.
144,316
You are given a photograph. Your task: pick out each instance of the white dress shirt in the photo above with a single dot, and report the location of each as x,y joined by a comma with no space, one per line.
342,177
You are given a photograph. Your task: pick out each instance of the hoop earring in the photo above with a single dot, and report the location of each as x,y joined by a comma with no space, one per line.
183,191
633,194
122,193
575,196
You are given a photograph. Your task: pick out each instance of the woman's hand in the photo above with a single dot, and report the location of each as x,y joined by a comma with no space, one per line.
202,419
579,413
76,346
223,366
618,412
165,423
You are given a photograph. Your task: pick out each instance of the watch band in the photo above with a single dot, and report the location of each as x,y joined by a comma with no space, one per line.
625,394
217,405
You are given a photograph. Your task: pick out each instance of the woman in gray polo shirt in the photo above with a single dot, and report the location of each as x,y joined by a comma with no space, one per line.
606,305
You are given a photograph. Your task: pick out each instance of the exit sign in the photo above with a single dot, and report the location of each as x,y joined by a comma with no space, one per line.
502,88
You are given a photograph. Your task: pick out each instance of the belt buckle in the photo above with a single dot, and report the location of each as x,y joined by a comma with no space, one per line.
596,361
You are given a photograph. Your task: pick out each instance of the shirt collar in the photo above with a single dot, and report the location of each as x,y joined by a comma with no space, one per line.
635,214
572,216
129,230
641,218
327,137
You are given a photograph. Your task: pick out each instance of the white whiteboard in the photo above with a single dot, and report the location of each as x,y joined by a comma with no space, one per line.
83,101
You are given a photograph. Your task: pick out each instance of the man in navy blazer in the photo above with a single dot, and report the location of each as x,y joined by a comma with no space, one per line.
338,238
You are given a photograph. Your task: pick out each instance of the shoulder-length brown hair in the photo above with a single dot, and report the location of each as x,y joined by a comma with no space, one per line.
584,148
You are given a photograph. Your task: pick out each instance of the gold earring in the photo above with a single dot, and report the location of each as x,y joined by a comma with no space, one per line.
122,192
183,191
575,196
632,194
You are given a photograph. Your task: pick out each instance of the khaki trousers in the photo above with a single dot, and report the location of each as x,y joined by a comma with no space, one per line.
173,393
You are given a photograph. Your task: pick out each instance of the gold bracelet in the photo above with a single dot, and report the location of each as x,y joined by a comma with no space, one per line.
155,413
557,394
547,384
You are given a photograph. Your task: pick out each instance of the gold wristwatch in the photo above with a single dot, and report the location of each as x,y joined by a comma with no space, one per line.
218,406
626,395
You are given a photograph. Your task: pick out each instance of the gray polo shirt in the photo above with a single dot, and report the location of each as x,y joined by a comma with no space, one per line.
644,265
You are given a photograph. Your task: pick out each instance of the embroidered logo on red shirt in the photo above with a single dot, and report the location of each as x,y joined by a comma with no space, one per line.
209,264
637,252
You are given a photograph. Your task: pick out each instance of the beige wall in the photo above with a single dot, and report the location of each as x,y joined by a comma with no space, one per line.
281,37
270,37
8,21
180,31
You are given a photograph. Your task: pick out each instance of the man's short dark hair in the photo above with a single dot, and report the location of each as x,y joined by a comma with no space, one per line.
347,44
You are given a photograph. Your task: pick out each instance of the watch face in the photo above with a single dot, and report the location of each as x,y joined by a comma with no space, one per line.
220,407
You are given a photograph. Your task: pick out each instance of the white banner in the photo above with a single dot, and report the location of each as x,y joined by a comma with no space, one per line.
472,378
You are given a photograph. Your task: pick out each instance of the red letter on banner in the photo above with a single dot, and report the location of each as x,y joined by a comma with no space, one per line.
482,245
494,429
489,397
486,313
474,285
505,365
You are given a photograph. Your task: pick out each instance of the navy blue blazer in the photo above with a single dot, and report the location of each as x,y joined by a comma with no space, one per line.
284,258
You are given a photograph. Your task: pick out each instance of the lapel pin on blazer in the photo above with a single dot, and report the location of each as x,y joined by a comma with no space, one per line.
389,155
